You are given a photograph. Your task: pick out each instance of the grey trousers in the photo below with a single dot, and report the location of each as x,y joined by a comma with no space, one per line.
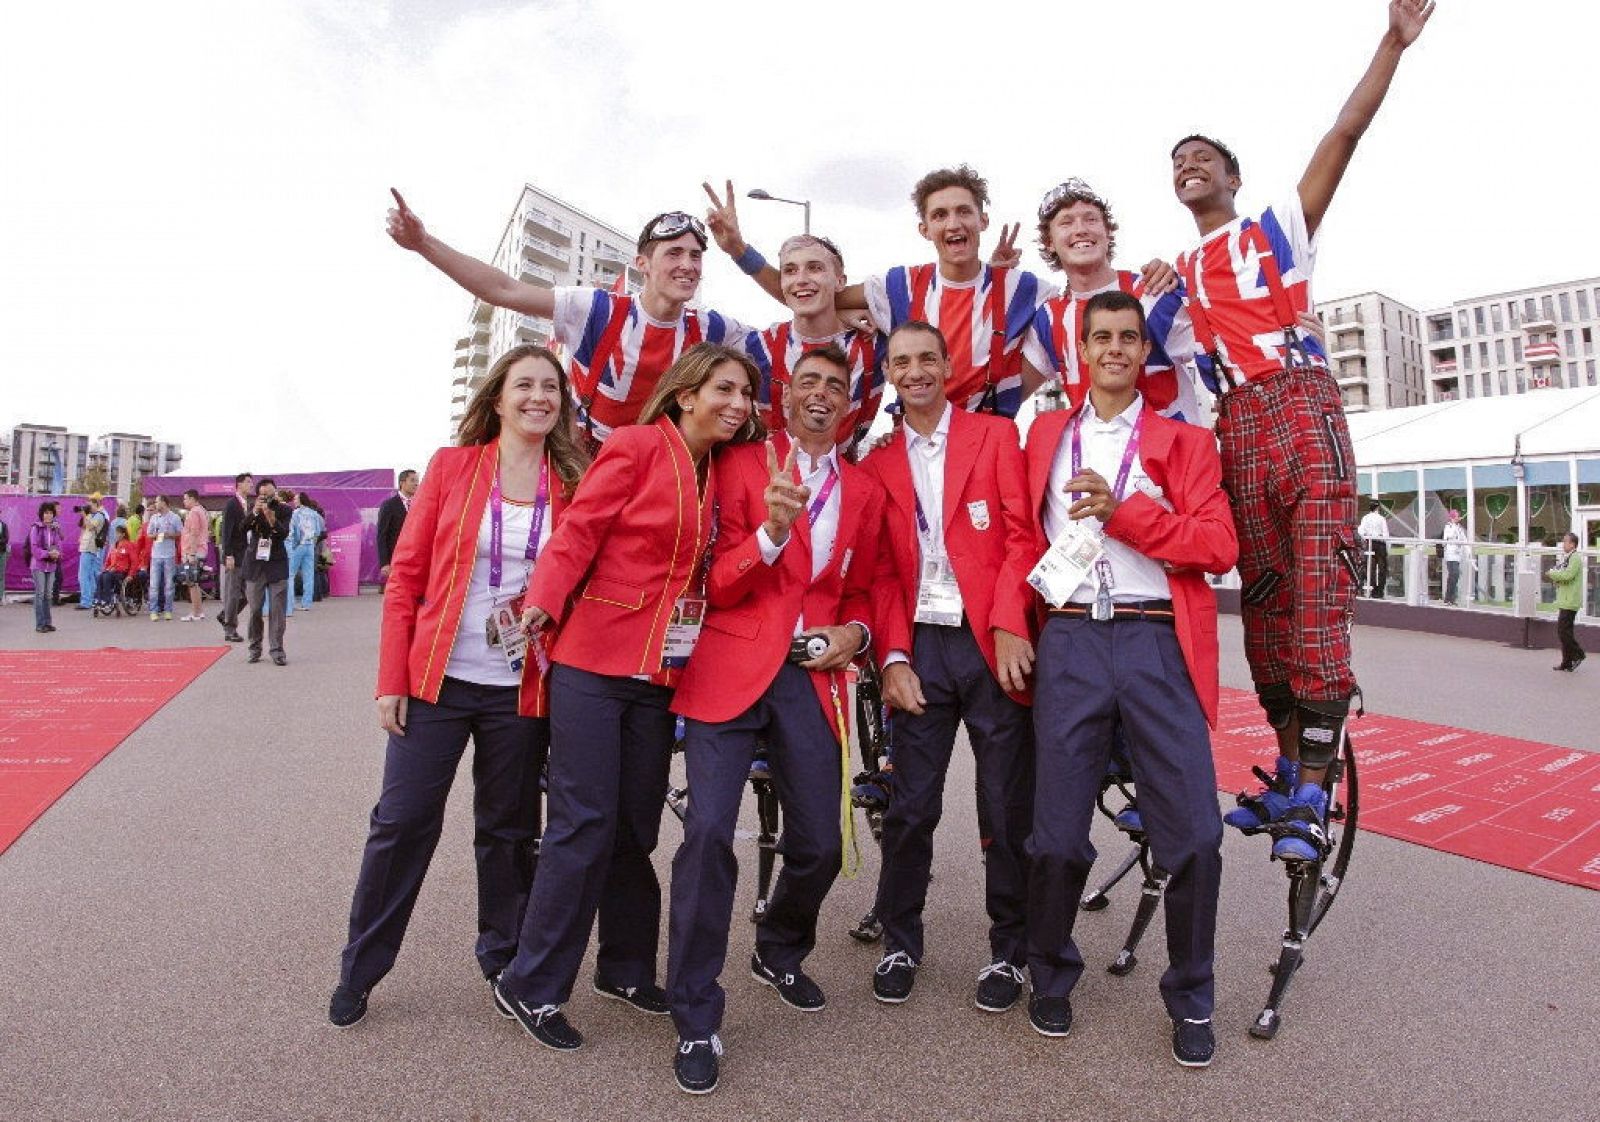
255,592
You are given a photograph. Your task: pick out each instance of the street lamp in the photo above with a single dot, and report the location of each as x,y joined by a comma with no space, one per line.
766,196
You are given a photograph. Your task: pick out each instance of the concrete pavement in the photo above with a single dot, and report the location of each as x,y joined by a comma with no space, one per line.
169,933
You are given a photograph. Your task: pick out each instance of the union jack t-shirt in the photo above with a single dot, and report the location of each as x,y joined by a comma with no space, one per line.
1051,347
985,356
616,353
776,351
1247,277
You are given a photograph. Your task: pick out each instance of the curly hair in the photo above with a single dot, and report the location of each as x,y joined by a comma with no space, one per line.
1060,203
959,176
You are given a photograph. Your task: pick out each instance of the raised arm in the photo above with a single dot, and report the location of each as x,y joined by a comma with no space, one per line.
479,278
723,219
1332,157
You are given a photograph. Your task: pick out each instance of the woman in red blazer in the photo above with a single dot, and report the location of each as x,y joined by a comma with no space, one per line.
624,584
485,509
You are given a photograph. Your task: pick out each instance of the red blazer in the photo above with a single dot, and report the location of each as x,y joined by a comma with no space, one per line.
629,546
754,605
992,547
430,571
1194,538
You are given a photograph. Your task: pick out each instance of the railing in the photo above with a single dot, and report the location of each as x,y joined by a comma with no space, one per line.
1507,579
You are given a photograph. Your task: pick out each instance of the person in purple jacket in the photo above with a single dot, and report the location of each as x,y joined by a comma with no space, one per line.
44,562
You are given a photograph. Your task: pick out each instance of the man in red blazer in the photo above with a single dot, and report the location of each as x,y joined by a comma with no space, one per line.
1129,639
952,626
794,561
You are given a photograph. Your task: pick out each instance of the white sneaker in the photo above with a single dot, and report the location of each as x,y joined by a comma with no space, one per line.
154,616
188,618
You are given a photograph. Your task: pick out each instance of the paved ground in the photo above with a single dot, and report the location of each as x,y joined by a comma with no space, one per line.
169,933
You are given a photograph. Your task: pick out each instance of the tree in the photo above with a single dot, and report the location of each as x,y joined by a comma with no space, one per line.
95,478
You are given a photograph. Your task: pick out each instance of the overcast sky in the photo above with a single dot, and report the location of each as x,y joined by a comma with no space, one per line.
194,192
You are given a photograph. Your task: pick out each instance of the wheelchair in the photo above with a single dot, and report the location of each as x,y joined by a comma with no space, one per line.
127,598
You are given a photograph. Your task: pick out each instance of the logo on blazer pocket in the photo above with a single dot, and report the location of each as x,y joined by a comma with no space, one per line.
979,513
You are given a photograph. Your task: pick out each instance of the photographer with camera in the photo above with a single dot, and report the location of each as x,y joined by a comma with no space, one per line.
267,571
93,530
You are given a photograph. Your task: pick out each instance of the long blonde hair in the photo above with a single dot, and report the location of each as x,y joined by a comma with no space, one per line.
481,424
693,370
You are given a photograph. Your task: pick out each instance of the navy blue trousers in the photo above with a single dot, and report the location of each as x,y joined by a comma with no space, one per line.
804,752
959,687
418,769
1089,677
611,744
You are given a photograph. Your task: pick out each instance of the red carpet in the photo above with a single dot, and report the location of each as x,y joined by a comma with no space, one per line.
1514,803
62,712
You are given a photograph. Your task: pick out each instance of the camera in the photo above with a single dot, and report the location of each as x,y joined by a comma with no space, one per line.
804,648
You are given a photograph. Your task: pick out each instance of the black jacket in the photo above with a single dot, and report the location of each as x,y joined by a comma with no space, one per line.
257,527
234,519
391,516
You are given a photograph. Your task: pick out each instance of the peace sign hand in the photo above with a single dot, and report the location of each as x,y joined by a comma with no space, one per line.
723,219
1006,255
405,227
784,497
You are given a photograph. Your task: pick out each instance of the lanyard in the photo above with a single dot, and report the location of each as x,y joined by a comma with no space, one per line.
1120,488
821,500
711,544
496,523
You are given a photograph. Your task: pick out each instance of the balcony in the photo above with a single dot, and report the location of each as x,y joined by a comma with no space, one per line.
477,356
1343,325
539,250
1341,351
535,274
1448,366
480,332
1542,354
538,221
1538,322
1442,344
481,312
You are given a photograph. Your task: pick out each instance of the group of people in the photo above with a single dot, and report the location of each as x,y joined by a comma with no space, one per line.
131,549
733,546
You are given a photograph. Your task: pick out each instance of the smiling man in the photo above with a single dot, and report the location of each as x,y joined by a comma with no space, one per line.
809,278
1131,641
619,345
1078,236
1286,452
951,613
981,310
790,590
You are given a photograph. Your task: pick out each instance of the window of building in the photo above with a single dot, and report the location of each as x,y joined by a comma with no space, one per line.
1485,384
1572,339
1483,354
1547,305
1477,318
1522,380
1516,348
1528,308
1461,318
1583,303
1511,312
1588,341
1495,318
1566,307
1572,374
1500,351
1466,387
1466,358
1505,386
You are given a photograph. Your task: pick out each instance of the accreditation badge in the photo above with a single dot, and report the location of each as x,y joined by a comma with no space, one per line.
683,629
504,629
1070,558
938,594
264,549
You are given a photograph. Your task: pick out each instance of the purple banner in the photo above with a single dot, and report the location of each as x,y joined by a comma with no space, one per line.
20,512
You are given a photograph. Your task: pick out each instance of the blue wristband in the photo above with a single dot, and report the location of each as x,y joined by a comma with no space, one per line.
750,262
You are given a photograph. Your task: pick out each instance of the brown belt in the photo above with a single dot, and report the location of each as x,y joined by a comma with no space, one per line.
1140,609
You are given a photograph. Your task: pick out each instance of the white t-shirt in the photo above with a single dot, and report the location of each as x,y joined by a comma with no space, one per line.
471,658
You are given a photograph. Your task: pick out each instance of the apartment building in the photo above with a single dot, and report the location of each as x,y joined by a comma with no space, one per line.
545,242
47,459
1375,350
1513,342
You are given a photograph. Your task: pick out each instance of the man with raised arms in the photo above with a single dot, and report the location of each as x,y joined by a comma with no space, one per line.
619,345
981,310
1287,459
810,275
